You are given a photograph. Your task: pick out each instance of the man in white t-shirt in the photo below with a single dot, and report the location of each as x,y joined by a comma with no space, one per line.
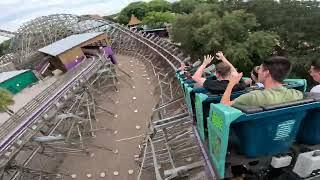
315,74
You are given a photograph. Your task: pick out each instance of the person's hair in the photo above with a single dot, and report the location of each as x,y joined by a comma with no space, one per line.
316,64
255,71
187,63
223,69
278,66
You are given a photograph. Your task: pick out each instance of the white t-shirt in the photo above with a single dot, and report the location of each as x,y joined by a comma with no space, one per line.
260,85
315,89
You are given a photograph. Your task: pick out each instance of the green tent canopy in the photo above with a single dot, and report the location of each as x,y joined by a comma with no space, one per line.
16,81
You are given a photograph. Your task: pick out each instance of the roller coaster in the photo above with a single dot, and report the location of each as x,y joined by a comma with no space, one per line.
189,136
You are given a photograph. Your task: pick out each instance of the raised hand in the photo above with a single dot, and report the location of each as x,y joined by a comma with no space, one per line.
220,56
182,66
207,59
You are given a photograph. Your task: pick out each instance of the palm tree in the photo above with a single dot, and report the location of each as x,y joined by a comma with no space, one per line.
6,99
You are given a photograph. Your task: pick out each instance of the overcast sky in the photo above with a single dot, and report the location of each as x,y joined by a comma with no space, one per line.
15,12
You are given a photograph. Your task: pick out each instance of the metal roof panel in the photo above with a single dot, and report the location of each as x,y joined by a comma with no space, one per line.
67,43
4,76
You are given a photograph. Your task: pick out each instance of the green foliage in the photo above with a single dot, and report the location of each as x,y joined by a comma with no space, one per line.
237,24
4,47
233,32
157,19
250,31
193,30
184,6
294,21
159,6
6,99
298,26
139,9
261,45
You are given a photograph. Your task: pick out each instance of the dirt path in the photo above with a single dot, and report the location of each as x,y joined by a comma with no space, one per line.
133,106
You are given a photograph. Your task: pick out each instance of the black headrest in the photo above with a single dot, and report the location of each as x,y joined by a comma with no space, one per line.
288,104
253,88
248,109
198,90
234,93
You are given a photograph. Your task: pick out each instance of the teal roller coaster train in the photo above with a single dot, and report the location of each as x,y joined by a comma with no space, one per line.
268,142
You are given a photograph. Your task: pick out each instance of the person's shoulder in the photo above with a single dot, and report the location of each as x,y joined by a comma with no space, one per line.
293,93
315,89
212,81
285,90
215,83
260,93
252,94
256,92
249,99
208,82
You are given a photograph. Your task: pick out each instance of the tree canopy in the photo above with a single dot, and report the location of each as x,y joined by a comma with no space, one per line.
233,32
141,9
138,9
250,31
159,6
184,6
4,47
157,19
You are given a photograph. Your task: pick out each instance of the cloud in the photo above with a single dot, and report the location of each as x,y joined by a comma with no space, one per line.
13,13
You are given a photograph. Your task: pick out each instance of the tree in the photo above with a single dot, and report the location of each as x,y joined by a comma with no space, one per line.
295,21
6,99
298,26
158,19
285,27
138,9
205,31
184,6
261,44
185,26
4,47
159,6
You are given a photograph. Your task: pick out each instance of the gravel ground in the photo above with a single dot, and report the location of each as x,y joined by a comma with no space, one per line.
133,105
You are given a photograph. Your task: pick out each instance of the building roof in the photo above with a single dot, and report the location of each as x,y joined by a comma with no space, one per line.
10,74
134,21
67,43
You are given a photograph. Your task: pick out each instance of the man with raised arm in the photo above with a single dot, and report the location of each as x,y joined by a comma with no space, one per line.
223,72
271,73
